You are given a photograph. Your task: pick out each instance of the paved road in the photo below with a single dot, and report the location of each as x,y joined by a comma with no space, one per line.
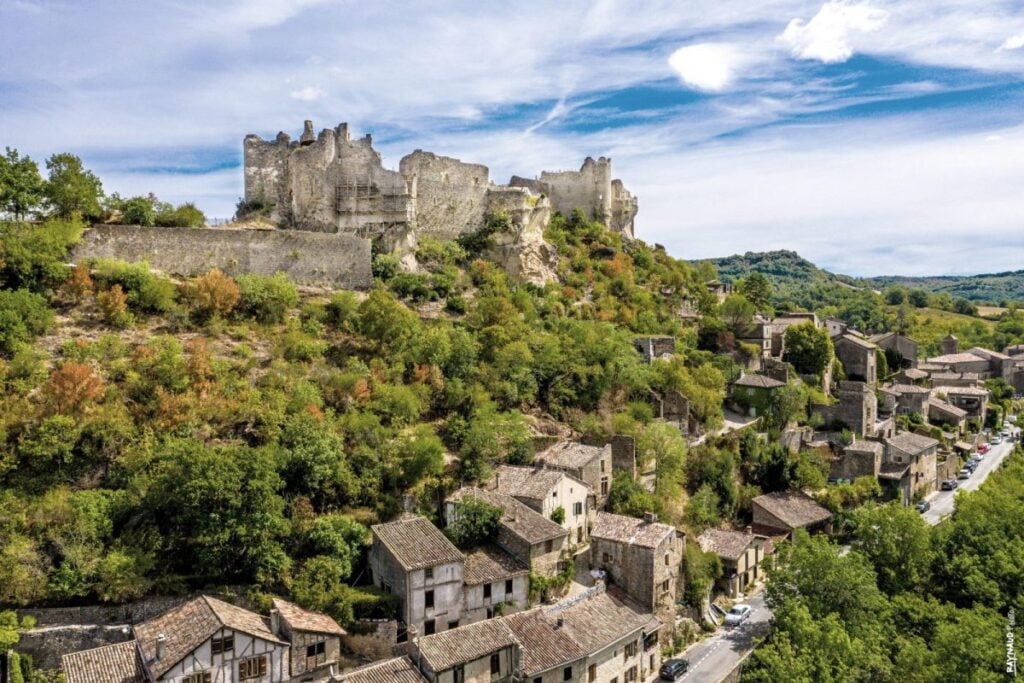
943,501
714,657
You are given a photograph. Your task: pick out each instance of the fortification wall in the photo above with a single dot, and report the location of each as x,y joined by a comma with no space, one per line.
589,189
308,258
451,196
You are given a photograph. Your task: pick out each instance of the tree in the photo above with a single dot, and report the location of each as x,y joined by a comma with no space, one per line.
71,189
72,388
474,522
895,296
918,298
23,316
213,294
897,542
138,211
628,497
808,348
757,289
702,508
121,575
737,312
11,628
21,186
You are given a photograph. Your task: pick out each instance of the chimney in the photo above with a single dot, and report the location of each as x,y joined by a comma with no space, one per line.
275,621
650,518
161,646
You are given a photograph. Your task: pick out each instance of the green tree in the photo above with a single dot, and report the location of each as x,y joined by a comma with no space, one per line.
757,289
737,312
474,522
702,509
808,348
628,497
72,189
23,316
122,575
21,186
918,298
138,211
897,542
11,628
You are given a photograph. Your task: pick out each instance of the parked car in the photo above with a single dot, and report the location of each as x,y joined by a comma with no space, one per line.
1005,432
996,440
949,485
983,449
964,474
673,669
737,615
923,506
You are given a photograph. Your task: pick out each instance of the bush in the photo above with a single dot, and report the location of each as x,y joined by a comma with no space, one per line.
266,299
186,215
213,294
35,257
113,305
144,291
23,316
475,522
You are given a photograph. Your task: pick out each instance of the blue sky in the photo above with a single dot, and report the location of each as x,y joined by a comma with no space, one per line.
872,137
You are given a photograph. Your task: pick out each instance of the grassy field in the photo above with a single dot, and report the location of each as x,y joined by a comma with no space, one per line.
930,325
992,312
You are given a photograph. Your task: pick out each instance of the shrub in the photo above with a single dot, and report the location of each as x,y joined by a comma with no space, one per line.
213,294
23,316
186,215
113,305
473,523
385,266
138,211
266,299
79,284
144,291
72,387
35,257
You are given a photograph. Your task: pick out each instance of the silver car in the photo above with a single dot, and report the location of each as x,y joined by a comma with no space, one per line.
737,615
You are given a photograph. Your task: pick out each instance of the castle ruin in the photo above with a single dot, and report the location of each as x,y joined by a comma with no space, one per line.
333,183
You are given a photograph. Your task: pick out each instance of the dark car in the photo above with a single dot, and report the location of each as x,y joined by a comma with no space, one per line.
673,669
949,485
923,506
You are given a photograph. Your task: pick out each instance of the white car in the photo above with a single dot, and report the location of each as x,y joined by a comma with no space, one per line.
737,615
996,440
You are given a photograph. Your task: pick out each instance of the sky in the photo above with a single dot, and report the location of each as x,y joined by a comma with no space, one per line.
881,137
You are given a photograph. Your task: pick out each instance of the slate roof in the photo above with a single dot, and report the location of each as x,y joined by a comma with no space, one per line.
914,373
947,408
520,520
489,564
794,508
186,627
912,443
397,670
416,543
602,619
760,381
526,482
544,645
630,530
571,455
118,663
726,543
864,446
460,645
301,619
987,354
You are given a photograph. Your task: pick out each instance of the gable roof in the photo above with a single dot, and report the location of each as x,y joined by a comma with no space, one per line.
301,619
118,663
187,626
954,358
962,391
534,483
460,645
864,446
761,381
630,530
396,670
489,564
893,470
601,619
545,646
911,442
794,508
948,408
909,389
416,543
726,543
571,455
520,520
987,354
914,373
856,340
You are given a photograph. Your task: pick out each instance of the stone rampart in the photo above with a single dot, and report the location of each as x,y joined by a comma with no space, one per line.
307,258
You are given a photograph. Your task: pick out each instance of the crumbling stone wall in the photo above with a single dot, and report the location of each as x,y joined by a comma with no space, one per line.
307,258
451,196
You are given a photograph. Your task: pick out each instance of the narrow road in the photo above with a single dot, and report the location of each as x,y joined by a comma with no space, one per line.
715,657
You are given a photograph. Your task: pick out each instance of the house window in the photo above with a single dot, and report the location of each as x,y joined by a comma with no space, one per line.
203,677
606,558
567,673
316,654
453,624
577,508
579,534
664,585
428,573
666,560
428,598
429,627
549,546
223,644
604,486
495,664
459,674
602,467
538,679
487,591
490,612
554,494
630,650
631,674
254,667
592,673
508,586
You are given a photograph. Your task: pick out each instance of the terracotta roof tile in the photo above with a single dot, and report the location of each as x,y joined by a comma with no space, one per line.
600,620
726,543
911,443
118,663
533,483
761,381
630,530
545,646
416,543
300,619
490,564
571,455
460,645
794,508
522,521
397,670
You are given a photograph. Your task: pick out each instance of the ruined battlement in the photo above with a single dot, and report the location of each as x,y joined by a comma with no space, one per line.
332,183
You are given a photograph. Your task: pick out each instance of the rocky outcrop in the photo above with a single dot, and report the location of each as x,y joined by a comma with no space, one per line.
521,250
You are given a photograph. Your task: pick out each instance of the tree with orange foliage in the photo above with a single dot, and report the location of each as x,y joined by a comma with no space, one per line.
79,284
213,294
114,307
72,388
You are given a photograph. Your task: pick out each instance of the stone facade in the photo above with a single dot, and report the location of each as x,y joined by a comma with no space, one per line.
858,358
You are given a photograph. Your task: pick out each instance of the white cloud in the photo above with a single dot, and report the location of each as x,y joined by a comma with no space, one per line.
707,66
827,36
308,94
1013,43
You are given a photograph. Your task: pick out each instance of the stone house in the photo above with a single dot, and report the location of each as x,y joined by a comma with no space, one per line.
742,554
783,512
911,376
783,322
920,454
759,333
906,399
672,406
897,347
971,400
836,327
641,556
494,582
412,559
1000,365
206,640
962,362
856,409
545,491
862,458
947,378
947,415
652,348
484,652
590,464
857,355
719,289
754,395
527,535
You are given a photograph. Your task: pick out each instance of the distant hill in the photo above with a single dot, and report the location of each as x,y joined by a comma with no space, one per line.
790,272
